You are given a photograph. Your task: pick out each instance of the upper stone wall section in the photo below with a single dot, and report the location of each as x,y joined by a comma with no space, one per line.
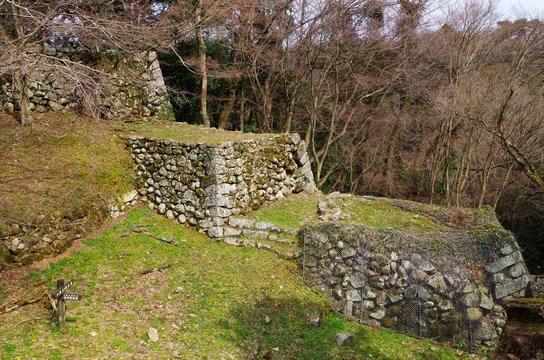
130,85
423,270
205,183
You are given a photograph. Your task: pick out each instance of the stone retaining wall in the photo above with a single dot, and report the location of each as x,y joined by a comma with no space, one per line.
204,185
444,293
130,85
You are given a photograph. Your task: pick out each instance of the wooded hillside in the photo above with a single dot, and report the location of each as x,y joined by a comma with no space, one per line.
411,98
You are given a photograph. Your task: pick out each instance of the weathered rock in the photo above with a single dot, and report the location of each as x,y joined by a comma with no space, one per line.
509,287
507,250
162,208
486,303
471,299
215,232
232,241
437,282
344,339
395,297
356,282
241,223
353,295
474,314
422,293
377,315
483,332
369,294
500,322
517,270
130,196
153,334
348,252
445,305
266,226
427,267
368,304
504,262
229,231
411,292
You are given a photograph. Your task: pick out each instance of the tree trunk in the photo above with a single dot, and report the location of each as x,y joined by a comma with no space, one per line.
289,114
202,66
21,87
242,108
225,113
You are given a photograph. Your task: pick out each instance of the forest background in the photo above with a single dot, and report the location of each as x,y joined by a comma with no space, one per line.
419,99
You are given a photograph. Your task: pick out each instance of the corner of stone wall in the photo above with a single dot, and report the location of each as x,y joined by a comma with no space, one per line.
205,184
142,94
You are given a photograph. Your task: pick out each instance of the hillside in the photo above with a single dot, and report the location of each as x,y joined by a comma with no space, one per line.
61,177
212,301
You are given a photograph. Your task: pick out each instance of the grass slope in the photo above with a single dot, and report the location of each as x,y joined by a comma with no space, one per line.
60,164
211,304
65,163
186,133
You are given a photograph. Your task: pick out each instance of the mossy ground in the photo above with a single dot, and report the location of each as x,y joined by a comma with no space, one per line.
58,165
65,162
382,213
295,210
211,304
185,133
290,212
532,300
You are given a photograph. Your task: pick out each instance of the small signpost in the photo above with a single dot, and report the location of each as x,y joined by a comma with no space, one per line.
61,297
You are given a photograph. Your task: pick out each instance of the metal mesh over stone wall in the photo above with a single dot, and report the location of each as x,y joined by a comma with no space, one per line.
401,281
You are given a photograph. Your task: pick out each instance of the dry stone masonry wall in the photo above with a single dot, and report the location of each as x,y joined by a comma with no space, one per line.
422,285
204,184
135,85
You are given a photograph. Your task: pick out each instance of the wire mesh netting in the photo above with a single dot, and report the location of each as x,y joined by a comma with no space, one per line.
400,287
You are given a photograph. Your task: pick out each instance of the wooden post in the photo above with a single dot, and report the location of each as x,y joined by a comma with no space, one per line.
60,305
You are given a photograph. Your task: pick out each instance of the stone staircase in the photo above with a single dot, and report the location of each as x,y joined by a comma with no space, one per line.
261,235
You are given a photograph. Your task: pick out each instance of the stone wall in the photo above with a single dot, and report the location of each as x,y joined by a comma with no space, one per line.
130,85
204,184
445,286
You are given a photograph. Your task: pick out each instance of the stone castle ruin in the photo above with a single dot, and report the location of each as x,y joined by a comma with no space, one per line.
123,85
205,184
447,284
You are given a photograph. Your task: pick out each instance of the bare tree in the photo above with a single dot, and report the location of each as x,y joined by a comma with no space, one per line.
29,26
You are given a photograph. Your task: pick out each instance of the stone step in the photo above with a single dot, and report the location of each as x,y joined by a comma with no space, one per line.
235,241
248,224
237,233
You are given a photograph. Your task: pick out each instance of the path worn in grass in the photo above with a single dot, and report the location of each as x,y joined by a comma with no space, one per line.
211,304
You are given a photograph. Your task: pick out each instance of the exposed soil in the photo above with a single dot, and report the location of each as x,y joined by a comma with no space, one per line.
17,281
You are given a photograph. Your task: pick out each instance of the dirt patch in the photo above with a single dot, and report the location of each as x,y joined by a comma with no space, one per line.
17,281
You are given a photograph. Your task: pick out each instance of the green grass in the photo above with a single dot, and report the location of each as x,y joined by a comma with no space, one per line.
293,211
211,304
289,212
186,133
60,167
381,213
